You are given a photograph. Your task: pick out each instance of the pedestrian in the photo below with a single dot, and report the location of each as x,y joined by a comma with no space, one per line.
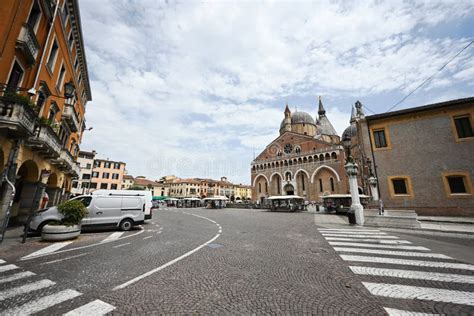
44,200
381,208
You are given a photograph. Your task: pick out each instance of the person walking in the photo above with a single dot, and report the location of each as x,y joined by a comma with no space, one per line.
381,207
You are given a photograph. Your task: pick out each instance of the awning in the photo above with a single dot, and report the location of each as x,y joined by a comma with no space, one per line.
159,198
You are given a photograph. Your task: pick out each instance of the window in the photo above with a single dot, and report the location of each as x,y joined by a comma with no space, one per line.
52,56
74,184
113,186
321,185
400,186
76,63
302,182
60,81
107,164
70,39
88,166
16,76
105,175
463,127
332,184
93,185
104,186
53,109
95,174
41,99
97,164
86,176
115,176
259,188
85,184
379,138
457,184
34,17
117,165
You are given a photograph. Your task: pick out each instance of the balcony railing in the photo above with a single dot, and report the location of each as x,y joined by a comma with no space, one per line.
19,119
71,118
66,162
46,142
328,150
28,43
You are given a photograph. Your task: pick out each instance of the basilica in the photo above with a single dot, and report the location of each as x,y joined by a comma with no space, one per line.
307,159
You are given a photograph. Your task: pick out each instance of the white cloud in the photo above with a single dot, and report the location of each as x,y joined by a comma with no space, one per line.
180,81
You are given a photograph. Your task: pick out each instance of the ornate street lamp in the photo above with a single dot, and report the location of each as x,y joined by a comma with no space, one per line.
352,170
69,90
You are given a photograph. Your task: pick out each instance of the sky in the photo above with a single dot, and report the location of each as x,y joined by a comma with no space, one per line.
197,88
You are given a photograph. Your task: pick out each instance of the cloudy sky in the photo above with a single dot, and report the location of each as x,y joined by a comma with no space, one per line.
195,88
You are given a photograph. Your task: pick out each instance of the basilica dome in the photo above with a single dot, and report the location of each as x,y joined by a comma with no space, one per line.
299,118
349,132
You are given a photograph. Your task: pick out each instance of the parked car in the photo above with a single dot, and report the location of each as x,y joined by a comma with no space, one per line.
147,194
122,211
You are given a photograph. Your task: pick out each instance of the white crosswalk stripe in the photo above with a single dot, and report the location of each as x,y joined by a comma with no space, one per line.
360,236
364,245
420,293
409,262
47,250
369,248
347,230
379,241
411,274
392,253
11,290
2,261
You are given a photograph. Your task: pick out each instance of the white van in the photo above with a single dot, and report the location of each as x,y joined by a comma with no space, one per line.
122,211
147,194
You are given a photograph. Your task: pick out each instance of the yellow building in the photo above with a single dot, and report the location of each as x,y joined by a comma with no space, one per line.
44,88
107,175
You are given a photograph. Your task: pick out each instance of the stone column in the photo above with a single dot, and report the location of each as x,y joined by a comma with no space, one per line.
373,188
352,170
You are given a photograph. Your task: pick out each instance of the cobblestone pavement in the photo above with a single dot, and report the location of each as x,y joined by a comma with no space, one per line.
234,261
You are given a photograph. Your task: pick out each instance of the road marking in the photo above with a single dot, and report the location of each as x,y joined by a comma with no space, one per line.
42,303
88,246
419,263
410,274
399,312
96,307
354,233
392,253
360,236
420,293
112,237
8,267
67,258
25,289
16,276
348,230
140,277
47,250
363,245
147,237
121,245
389,242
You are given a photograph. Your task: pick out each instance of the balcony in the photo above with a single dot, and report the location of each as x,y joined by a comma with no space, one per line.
70,116
18,119
46,143
67,163
28,44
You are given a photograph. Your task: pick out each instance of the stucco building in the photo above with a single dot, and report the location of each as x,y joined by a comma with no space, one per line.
85,159
127,182
307,159
107,174
422,156
44,89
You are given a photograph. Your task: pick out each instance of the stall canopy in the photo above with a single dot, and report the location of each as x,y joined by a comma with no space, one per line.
159,198
217,198
171,199
192,199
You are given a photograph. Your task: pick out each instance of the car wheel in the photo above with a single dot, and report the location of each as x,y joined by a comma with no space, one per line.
126,224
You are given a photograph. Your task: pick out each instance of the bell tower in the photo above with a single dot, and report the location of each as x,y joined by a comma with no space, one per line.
287,120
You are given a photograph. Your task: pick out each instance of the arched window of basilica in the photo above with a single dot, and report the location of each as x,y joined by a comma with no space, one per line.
300,161
286,162
305,160
310,159
298,149
321,157
334,156
288,176
327,157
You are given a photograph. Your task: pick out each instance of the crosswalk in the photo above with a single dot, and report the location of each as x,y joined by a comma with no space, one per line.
384,263
14,282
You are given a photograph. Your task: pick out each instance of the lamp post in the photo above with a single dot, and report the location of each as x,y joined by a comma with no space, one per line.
352,170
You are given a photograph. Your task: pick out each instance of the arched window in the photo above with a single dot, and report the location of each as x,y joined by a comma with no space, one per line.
302,181
320,185
259,188
332,184
266,187
278,185
297,150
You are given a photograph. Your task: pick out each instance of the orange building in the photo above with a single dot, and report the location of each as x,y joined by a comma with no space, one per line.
45,87
107,175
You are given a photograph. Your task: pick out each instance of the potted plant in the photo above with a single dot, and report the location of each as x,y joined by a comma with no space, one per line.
72,211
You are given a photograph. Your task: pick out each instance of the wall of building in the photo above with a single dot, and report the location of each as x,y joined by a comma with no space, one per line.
99,182
423,147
